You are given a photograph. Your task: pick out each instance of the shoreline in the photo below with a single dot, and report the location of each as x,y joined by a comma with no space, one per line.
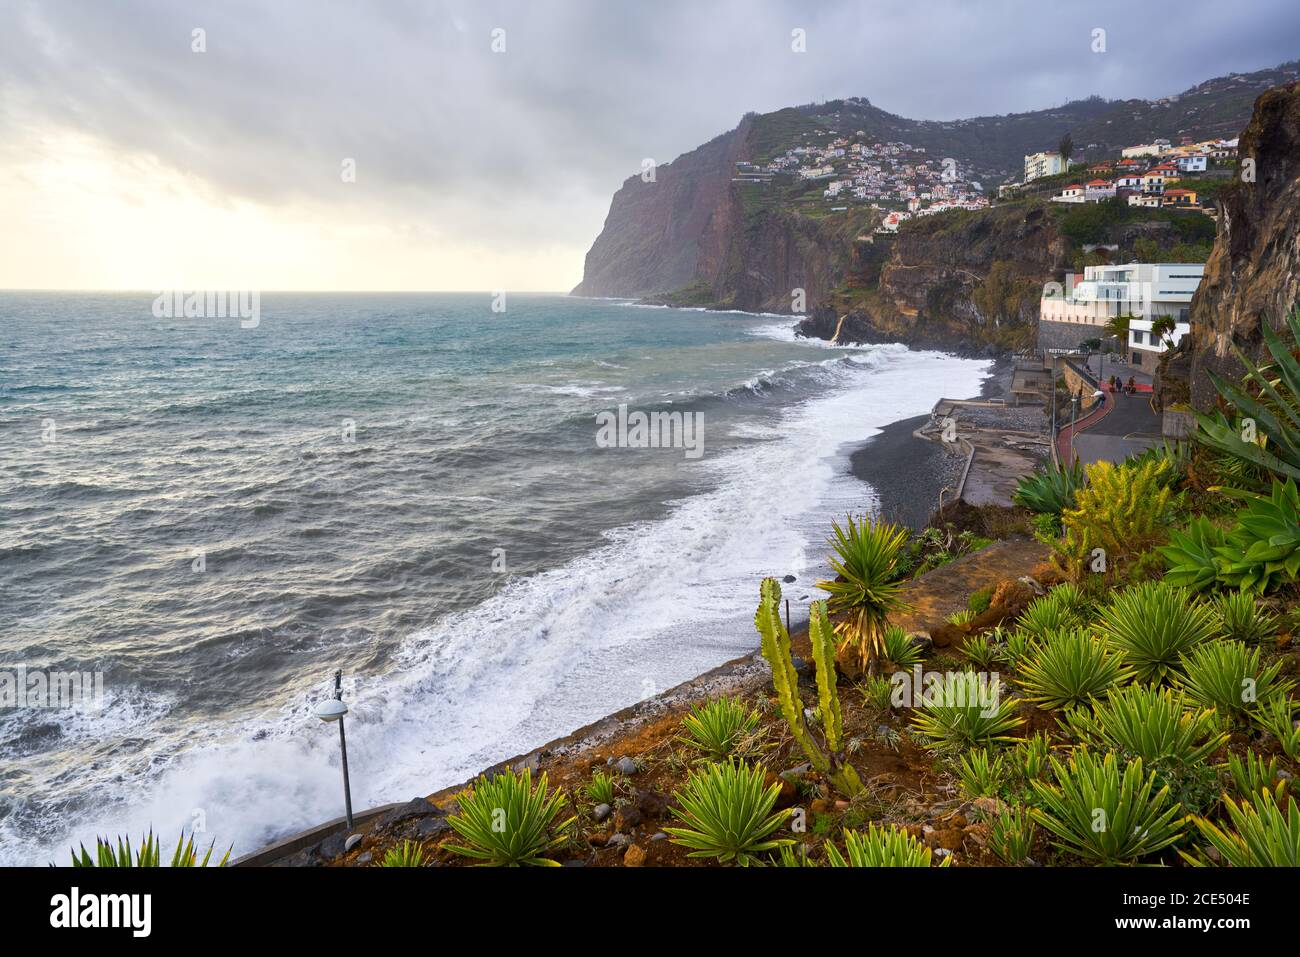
906,493
906,473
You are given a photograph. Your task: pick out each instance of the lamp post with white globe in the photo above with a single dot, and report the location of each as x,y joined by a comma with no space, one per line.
333,709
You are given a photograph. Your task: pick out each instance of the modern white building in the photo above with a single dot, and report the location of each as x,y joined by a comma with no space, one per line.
1039,165
1145,291
1191,164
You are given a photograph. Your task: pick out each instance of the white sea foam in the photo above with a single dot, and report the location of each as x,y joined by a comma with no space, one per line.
660,602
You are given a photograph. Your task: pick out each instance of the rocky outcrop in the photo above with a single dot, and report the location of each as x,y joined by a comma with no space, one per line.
1253,274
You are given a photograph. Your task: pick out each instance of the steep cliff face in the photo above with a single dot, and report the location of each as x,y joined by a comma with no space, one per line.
1253,274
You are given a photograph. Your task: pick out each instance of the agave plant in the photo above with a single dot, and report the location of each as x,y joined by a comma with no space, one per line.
600,789
899,650
118,853
509,822
1276,717
1242,619
1031,756
1155,724
1049,615
1263,834
960,617
728,813
1254,775
979,774
1018,647
1104,814
866,591
878,693
1275,412
1154,626
719,727
880,847
964,709
406,854
1051,490
1011,835
1191,553
1071,668
981,651
1227,676
1263,549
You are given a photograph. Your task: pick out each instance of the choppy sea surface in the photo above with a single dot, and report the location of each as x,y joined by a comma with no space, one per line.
408,487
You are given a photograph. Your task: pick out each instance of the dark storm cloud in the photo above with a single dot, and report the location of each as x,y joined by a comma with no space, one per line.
527,145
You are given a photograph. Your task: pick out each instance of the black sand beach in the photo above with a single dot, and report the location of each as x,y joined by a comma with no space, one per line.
909,473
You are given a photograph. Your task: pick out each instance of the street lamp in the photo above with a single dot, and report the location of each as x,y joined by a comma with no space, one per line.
333,709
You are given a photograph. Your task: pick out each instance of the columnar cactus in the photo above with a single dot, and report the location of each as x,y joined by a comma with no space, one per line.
776,649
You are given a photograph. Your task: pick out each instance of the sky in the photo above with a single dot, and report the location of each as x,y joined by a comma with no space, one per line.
447,145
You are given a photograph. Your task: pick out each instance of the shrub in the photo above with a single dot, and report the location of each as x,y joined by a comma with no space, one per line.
866,592
1262,835
1151,723
1069,669
880,847
979,774
1154,625
600,790
899,649
1241,618
728,813
1011,835
719,727
1227,676
406,854
979,600
1275,717
776,649
1124,511
1104,814
508,822
964,710
1051,490
118,853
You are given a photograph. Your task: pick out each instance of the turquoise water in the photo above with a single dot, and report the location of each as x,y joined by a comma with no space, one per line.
407,487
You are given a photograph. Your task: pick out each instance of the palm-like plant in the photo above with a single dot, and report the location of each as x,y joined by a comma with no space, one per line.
980,650
1051,490
1262,836
1254,775
963,710
406,854
1104,814
899,650
1275,411
1069,669
980,774
1011,835
719,727
880,847
509,822
1049,615
1242,619
866,591
1227,676
1152,723
118,853
1276,717
1153,625
728,813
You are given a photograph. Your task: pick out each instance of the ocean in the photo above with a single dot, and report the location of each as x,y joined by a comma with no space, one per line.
213,516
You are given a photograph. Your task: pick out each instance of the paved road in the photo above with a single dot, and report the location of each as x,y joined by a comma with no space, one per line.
1128,427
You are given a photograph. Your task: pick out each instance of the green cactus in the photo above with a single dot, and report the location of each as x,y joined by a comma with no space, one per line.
776,649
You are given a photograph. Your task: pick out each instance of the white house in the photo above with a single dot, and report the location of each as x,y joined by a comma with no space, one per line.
1143,290
1129,181
1144,199
1074,193
1099,189
1038,165
1191,164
